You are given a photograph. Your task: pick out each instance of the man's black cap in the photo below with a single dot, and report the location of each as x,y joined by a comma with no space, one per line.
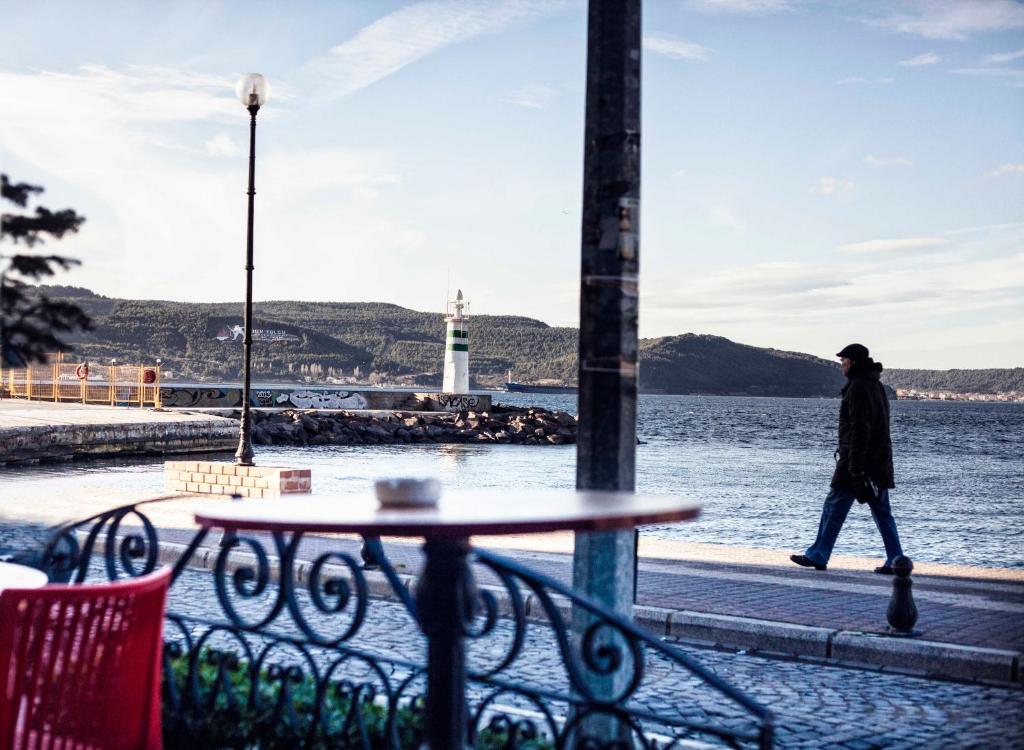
854,351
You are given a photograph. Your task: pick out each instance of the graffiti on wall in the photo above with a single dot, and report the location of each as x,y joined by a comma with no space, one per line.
199,398
322,400
458,402
196,397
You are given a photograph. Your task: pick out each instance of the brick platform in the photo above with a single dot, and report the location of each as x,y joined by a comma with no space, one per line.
215,478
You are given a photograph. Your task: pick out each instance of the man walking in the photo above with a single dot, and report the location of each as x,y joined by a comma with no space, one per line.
864,462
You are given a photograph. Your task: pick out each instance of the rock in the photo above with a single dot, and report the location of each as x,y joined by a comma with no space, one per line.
377,432
556,439
411,421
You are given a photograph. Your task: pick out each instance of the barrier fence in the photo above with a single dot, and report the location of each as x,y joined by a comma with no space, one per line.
84,382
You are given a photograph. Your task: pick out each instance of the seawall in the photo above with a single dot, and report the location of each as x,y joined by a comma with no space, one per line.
32,431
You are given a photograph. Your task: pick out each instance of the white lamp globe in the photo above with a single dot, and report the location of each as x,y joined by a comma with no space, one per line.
253,90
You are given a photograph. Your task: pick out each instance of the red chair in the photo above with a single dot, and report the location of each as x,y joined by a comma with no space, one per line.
80,666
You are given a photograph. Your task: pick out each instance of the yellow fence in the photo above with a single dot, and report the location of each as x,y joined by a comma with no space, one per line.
85,382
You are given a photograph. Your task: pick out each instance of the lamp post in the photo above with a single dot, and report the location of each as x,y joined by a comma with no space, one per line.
253,91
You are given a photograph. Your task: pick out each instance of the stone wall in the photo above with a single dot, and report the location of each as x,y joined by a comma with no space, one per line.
60,442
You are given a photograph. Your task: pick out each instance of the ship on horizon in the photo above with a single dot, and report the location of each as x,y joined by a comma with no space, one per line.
513,387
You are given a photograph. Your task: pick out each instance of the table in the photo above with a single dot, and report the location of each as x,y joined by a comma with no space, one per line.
446,577
14,576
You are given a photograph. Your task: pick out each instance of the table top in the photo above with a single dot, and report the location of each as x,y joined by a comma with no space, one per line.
13,576
460,513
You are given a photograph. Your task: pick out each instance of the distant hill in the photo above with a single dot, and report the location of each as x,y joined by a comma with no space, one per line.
392,343
694,363
958,381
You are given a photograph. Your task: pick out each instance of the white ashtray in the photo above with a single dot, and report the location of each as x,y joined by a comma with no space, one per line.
405,492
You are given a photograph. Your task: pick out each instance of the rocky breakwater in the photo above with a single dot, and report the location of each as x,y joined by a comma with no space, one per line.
533,426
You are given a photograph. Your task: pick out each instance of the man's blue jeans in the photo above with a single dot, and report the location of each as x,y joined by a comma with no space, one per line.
833,514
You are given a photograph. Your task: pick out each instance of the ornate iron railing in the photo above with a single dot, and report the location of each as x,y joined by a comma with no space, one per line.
281,651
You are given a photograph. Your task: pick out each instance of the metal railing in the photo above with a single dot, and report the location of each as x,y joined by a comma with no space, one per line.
275,651
84,382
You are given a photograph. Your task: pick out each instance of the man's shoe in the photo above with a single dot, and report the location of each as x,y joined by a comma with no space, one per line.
885,570
805,562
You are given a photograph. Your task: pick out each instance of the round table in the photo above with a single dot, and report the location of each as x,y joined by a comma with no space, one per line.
14,576
446,575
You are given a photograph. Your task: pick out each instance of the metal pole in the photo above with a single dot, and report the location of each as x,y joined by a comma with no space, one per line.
244,454
444,603
603,563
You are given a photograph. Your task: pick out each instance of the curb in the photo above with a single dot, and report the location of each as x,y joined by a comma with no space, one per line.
840,647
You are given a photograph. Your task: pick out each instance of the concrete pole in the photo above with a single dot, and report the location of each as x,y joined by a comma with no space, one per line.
603,564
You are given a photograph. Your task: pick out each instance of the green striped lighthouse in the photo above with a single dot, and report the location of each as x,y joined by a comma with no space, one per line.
456,350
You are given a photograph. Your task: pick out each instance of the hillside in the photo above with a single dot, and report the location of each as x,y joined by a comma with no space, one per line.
317,338
694,363
389,343
958,381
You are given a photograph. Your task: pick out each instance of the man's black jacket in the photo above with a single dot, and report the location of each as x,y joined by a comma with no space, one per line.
865,447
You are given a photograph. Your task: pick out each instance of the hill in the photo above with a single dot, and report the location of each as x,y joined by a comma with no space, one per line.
694,363
988,382
385,342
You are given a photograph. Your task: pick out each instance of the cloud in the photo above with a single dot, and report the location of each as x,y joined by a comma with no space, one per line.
137,163
759,283
1003,57
1014,77
986,228
743,7
832,186
952,19
928,58
532,97
904,245
859,80
223,144
902,298
887,161
679,173
677,49
411,33
314,170
1007,169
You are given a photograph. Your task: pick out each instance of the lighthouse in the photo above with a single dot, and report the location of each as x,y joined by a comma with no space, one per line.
456,350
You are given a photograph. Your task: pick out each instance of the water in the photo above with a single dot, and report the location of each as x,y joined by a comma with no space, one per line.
760,466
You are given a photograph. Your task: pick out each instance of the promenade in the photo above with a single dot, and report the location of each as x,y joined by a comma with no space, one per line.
47,431
780,633
971,618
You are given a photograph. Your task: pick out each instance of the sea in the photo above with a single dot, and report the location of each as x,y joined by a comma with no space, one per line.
759,466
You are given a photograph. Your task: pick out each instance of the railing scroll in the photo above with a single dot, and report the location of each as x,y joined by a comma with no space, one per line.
273,650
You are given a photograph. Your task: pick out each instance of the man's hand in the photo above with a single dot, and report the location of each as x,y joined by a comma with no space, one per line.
864,488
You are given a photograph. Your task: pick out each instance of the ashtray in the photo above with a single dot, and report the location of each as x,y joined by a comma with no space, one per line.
406,492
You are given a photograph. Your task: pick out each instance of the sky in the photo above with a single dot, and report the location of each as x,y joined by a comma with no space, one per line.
814,173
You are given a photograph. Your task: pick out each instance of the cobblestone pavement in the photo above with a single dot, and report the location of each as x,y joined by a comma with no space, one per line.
965,611
816,706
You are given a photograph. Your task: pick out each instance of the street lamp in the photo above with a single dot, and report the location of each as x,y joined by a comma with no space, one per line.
253,91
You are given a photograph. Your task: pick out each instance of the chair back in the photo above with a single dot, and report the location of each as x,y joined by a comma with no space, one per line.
80,666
